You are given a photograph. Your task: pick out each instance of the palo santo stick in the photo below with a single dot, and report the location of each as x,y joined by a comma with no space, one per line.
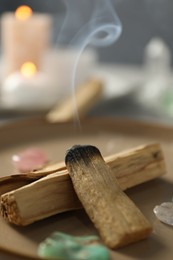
116,217
133,167
15,181
54,193
86,96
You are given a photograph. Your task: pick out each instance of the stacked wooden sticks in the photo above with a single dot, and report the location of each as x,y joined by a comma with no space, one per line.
48,191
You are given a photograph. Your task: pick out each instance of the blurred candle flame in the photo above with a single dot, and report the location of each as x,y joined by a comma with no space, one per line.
23,12
28,69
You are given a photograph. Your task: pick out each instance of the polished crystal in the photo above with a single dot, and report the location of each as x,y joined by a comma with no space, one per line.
66,247
164,212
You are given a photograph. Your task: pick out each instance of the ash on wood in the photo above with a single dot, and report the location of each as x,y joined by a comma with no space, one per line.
116,217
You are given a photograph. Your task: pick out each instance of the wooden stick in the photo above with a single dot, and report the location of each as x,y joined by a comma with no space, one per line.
15,181
133,167
116,217
86,96
54,193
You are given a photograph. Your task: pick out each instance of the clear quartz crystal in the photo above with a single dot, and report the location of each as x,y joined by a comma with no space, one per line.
157,90
157,57
164,212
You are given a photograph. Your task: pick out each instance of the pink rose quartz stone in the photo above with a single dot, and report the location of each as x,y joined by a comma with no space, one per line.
29,160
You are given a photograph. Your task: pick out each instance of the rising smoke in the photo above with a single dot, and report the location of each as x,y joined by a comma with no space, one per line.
88,23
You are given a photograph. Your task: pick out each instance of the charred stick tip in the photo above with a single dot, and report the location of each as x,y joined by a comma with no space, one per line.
78,152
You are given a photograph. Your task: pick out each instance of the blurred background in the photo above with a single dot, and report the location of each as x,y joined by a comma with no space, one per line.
131,65
141,21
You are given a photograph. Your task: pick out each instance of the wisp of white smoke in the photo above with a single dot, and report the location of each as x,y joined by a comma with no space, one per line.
88,22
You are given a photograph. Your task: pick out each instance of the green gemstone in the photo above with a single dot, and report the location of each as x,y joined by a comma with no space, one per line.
65,247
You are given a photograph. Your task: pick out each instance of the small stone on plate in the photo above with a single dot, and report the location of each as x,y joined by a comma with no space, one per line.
66,247
29,159
164,212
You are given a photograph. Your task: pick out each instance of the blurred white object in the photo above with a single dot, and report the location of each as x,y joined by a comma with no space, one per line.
27,93
60,65
48,86
157,57
158,83
118,80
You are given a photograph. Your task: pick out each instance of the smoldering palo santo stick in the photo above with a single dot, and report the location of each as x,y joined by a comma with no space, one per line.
116,217
54,193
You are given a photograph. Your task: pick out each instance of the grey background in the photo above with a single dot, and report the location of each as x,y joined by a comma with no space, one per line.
141,20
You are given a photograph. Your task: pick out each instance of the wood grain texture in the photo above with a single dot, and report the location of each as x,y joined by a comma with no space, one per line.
54,193
134,166
116,217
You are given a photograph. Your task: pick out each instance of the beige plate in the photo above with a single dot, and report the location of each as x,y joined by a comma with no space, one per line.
110,136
